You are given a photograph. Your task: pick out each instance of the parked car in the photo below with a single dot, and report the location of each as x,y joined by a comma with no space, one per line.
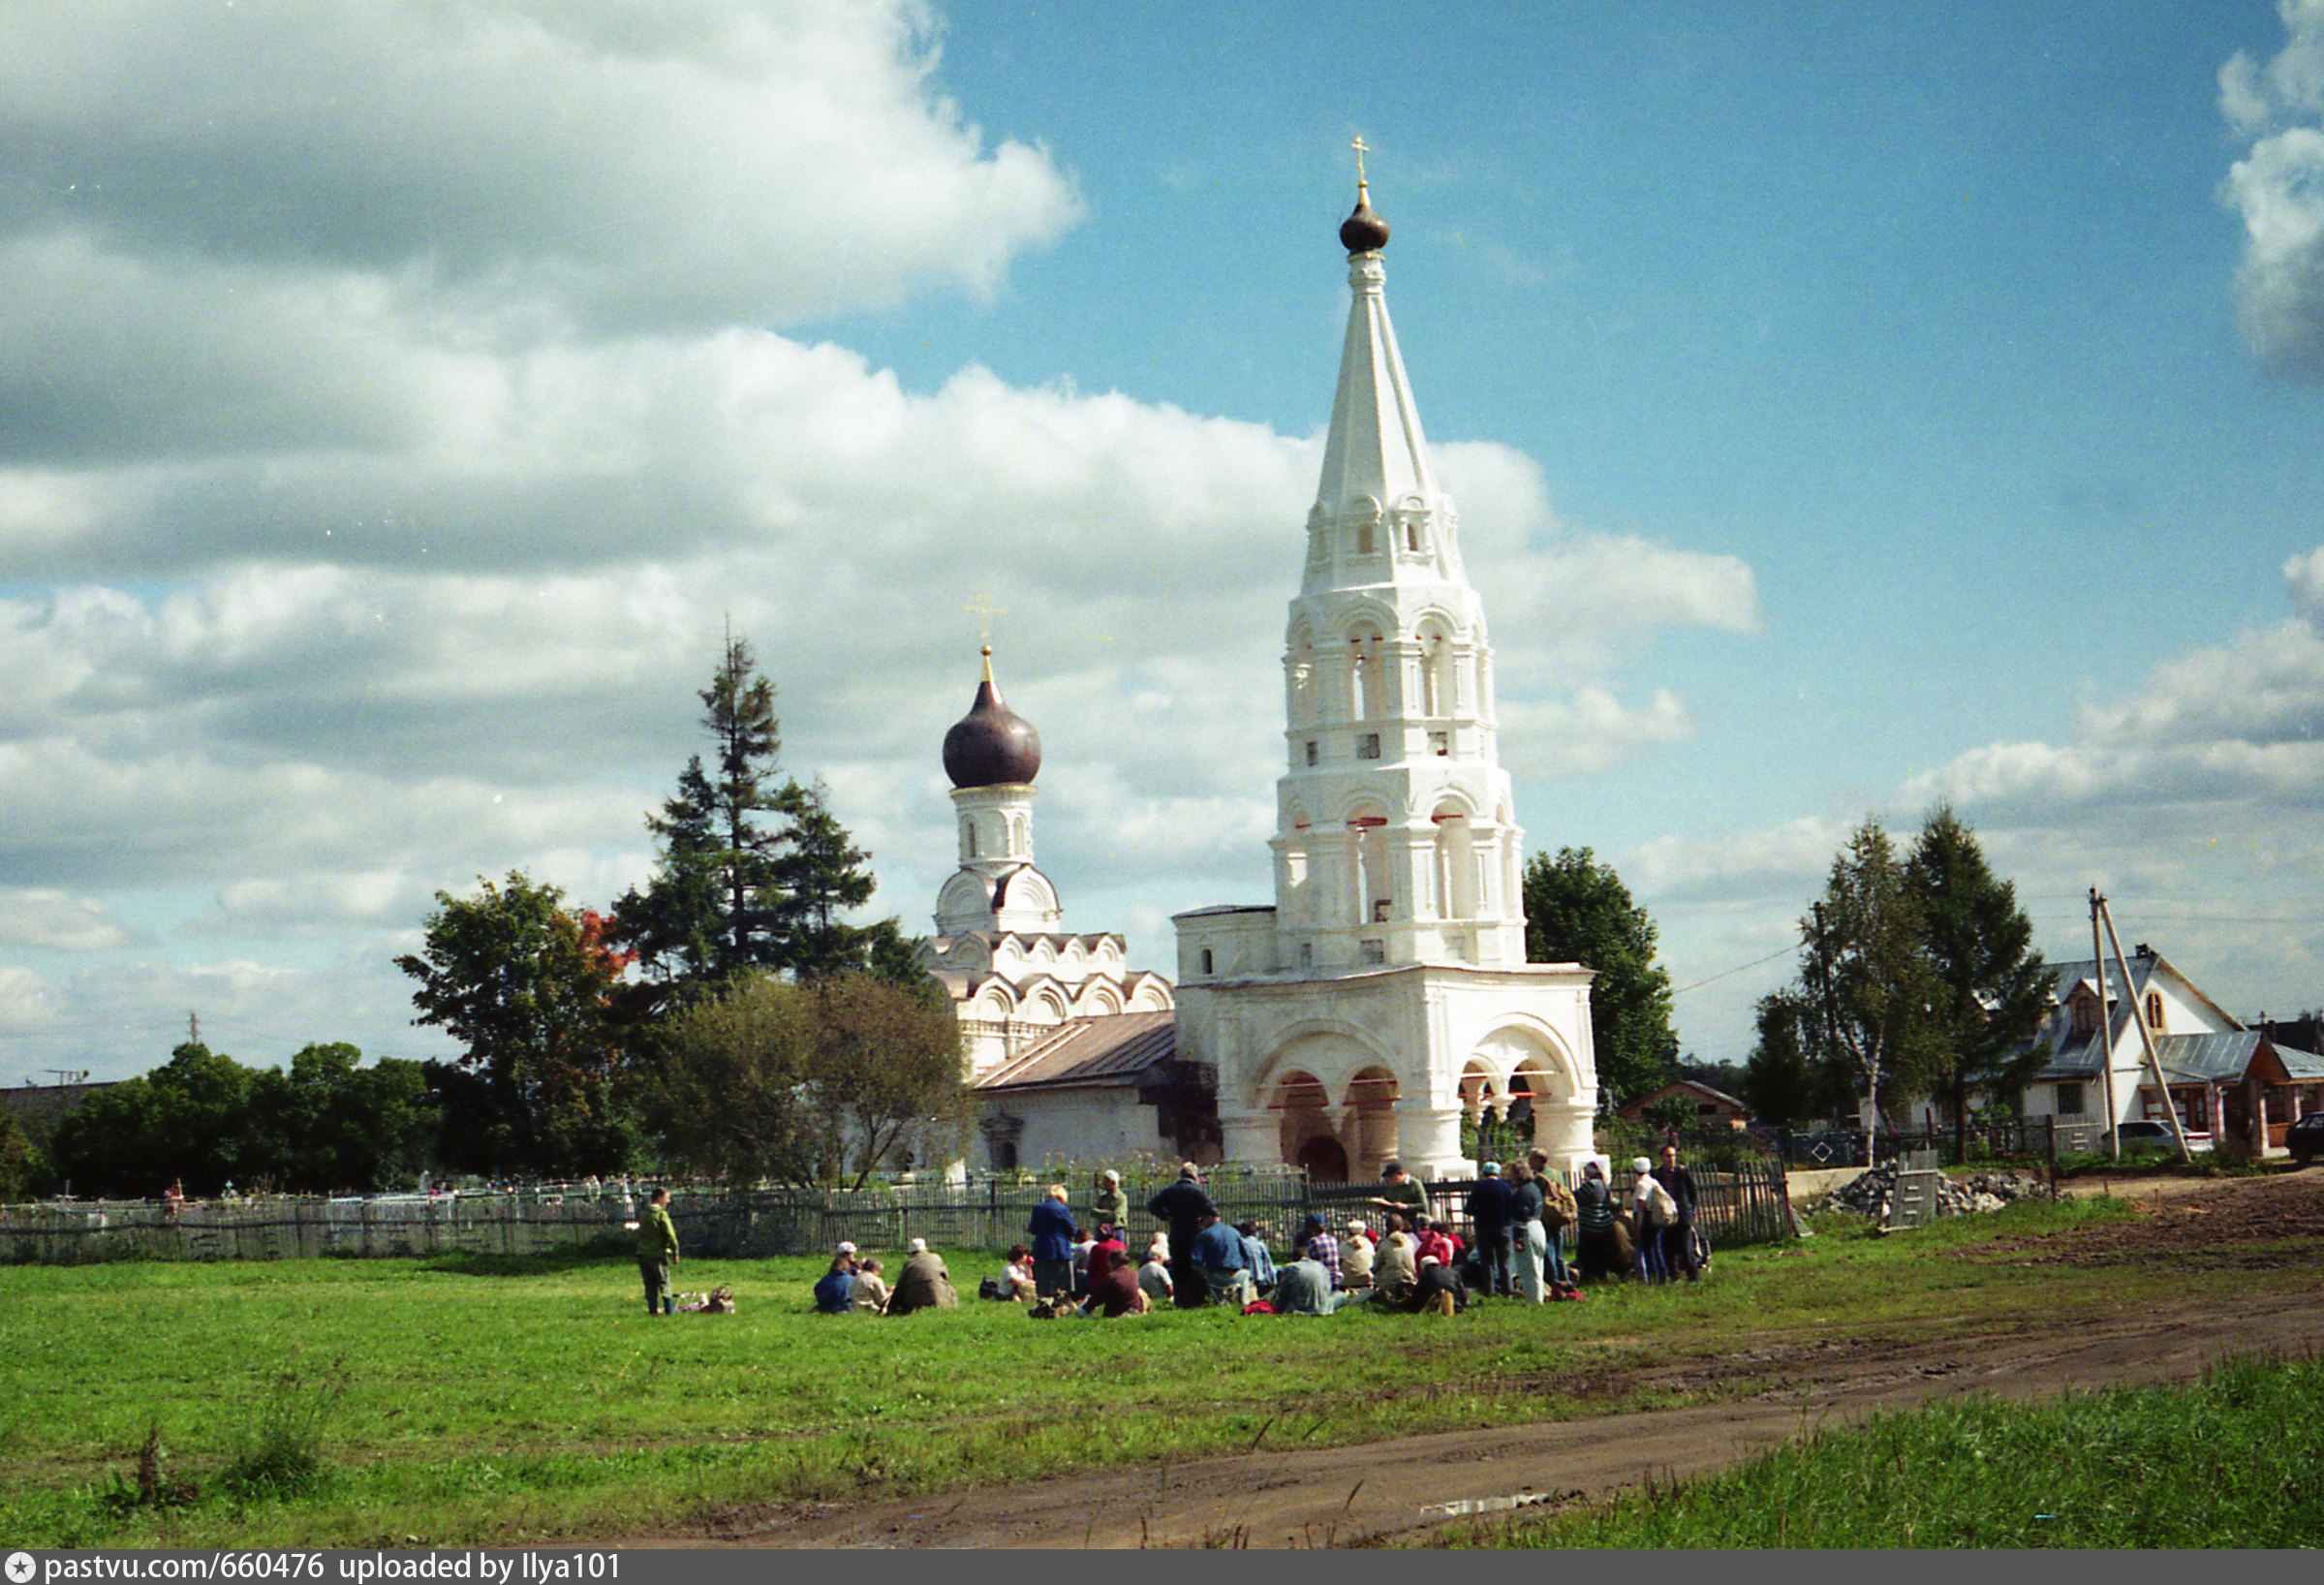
2304,1138
2144,1135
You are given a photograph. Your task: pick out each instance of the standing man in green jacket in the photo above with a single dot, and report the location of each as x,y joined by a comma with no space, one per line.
1110,1208
657,1253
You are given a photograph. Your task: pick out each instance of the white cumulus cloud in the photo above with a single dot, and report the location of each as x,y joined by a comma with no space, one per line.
2277,189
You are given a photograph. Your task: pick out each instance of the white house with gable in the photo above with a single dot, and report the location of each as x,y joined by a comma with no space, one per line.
2219,1075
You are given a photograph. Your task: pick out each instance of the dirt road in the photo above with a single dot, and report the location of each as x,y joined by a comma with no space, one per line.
1299,1497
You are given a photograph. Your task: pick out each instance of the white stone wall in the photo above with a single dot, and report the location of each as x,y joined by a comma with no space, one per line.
1090,1125
1423,1028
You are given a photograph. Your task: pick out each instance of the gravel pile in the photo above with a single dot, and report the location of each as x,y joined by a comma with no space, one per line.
1872,1192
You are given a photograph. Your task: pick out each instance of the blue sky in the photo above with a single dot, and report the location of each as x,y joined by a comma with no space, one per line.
1848,406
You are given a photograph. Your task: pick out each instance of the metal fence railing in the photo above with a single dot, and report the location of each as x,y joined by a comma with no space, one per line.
1746,1204
1734,1208
2026,1138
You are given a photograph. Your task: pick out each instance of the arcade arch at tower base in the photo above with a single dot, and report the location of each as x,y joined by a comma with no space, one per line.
1354,1069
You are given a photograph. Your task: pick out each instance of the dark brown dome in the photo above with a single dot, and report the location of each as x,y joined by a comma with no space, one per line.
1363,232
992,745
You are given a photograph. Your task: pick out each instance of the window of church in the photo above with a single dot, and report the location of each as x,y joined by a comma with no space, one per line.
1366,746
1439,744
1310,751
1376,952
1307,954
1412,536
1206,961
2154,1011
1379,911
2069,1100
972,839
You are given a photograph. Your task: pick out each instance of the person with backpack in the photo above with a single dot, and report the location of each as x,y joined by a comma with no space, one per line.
1594,1226
1678,1238
1525,1220
1651,1210
1556,1215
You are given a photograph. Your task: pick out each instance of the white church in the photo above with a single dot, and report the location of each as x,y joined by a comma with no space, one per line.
1385,993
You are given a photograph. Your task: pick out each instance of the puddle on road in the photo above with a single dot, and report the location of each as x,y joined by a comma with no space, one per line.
1467,1506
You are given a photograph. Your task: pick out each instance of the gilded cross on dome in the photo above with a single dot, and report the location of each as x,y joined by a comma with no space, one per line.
982,604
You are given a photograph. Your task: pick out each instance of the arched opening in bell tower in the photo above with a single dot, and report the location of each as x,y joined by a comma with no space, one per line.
1456,873
1303,1113
1375,878
1371,1110
1369,697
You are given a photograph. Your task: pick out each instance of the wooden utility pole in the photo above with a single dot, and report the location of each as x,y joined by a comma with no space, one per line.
2146,1037
2105,1034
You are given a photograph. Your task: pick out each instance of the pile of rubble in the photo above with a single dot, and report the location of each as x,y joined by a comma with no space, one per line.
1872,1192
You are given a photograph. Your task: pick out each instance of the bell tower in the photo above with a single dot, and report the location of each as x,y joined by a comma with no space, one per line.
1394,840
1386,995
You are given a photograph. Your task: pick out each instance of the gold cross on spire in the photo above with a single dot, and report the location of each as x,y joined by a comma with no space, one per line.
1360,151
982,604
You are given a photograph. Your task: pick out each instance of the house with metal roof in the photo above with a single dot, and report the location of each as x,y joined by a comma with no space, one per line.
2217,1075
1713,1108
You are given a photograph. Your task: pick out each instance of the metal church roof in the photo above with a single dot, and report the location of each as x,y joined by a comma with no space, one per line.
1113,1050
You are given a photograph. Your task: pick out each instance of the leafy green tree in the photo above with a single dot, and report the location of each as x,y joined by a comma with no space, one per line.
1993,988
1578,911
106,1147
529,988
731,1096
22,1164
674,925
888,1067
1784,1086
1866,973
714,903
893,957
340,1125
190,1122
819,1082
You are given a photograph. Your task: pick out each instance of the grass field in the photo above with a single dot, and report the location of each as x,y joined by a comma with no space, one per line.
476,1399
2227,1463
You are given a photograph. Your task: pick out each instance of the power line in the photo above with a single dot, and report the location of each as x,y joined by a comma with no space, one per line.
1738,969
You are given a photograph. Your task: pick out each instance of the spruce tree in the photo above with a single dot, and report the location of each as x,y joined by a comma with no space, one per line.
755,871
821,875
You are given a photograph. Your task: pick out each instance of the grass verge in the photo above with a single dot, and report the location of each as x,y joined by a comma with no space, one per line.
515,1400
2224,1463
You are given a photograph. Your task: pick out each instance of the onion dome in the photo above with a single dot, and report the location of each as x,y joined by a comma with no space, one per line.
1363,232
992,745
